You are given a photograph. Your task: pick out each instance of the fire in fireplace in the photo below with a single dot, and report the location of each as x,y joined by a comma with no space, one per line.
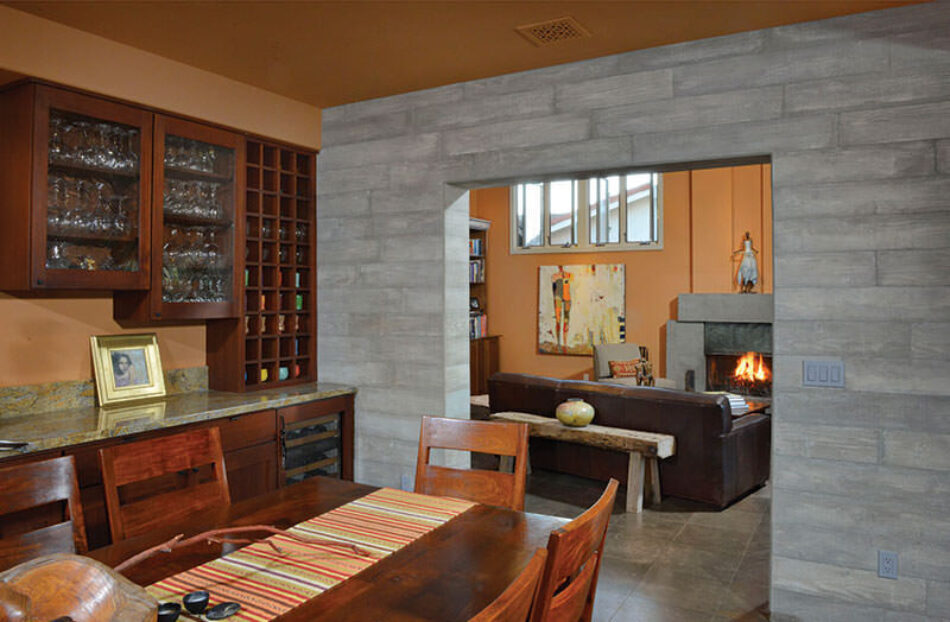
748,374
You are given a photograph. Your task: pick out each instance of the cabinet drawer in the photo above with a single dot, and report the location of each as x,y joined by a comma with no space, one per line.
293,414
246,430
251,471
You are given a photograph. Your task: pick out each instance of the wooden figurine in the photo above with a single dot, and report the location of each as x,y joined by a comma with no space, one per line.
748,274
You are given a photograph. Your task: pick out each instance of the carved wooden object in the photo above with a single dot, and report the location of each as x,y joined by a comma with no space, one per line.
214,536
59,585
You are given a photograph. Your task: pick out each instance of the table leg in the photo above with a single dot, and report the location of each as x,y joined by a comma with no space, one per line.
652,479
635,483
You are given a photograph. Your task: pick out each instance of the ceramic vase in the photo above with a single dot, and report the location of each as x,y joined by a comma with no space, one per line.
575,412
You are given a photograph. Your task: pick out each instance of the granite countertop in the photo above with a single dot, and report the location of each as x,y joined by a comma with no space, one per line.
64,428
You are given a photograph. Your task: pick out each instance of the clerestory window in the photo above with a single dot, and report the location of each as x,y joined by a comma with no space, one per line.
608,213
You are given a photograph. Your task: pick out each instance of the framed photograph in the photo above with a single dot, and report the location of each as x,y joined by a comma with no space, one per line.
127,367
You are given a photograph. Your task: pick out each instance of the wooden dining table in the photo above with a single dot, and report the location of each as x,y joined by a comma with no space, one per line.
448,574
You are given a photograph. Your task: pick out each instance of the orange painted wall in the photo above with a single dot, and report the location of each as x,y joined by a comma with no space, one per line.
705,214
47,339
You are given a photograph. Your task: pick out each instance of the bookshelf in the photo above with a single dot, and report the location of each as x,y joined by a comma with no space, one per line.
483,358
477,314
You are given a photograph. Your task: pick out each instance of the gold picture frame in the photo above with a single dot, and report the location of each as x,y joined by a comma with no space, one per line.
127,367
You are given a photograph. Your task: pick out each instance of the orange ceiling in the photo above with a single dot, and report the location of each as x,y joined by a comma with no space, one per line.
331,53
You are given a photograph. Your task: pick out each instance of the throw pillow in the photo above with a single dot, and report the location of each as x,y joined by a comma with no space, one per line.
624,369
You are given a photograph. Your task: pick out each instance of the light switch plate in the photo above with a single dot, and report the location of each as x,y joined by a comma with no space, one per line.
823,373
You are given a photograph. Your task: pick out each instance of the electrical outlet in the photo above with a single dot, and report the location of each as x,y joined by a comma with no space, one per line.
887,564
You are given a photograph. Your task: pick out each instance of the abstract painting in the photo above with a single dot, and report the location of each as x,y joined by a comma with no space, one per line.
580,306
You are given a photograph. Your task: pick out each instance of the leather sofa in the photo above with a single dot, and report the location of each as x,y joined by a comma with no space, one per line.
718,457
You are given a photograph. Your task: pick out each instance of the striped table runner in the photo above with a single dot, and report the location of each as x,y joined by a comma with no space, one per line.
268,584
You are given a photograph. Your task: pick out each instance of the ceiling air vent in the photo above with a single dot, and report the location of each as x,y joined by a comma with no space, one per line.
553,31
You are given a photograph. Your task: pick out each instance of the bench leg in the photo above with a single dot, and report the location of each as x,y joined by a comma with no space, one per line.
635,483
652,479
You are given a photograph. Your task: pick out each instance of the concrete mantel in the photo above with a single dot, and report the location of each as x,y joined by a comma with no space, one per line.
743,308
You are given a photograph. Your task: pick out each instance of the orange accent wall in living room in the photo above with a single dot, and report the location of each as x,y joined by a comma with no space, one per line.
705,216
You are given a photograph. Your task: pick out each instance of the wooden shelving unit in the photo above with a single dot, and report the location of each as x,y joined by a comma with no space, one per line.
483,351
274,343
478,298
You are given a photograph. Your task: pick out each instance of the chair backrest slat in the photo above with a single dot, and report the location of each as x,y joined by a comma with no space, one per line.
490,487
127,464
35,484
142,460
468,435
574,553
514,604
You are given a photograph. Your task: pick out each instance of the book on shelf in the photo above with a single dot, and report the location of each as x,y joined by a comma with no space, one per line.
475,248
476,271
477,325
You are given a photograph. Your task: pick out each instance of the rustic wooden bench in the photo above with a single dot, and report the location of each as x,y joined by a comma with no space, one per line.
644,449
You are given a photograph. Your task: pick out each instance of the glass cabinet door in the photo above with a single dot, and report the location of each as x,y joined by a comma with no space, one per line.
92,159
196,201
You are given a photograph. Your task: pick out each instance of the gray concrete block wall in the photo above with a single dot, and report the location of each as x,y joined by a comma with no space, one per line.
854,114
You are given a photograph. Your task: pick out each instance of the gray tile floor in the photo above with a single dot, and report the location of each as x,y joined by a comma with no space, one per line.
676,562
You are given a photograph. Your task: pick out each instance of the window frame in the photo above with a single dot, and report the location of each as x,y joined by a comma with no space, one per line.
582,217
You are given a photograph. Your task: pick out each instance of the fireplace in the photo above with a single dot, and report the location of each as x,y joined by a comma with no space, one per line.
721,342
738,357
748,374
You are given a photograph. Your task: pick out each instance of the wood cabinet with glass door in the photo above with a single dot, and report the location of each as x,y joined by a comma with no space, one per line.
196,226
75,180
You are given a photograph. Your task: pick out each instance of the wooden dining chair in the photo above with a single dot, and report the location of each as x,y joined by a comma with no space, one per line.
514,604
490,437
29,490
161,480
574,553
